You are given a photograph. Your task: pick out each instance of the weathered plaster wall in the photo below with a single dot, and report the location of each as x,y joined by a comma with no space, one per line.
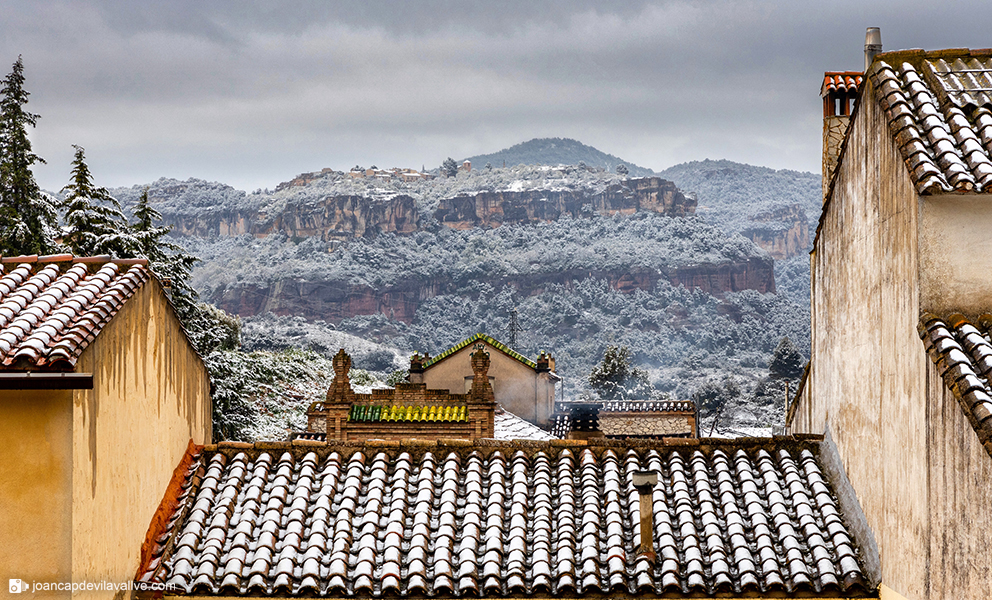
517,387
35,485
960,499
956,254
151,396
866,381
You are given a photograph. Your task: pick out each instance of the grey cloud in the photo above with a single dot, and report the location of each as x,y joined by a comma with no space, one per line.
251,93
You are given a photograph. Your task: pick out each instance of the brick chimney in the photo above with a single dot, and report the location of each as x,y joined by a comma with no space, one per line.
417,368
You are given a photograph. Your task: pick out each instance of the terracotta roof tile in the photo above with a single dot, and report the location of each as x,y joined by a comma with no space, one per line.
508,426
51,307
963,355
938,108
841,81
505,519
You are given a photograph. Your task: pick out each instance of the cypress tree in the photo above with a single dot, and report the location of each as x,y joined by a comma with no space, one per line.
28,218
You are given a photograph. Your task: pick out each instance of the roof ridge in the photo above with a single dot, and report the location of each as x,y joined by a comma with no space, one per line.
70,258
485,338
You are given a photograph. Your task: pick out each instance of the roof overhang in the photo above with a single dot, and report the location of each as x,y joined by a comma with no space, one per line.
33,380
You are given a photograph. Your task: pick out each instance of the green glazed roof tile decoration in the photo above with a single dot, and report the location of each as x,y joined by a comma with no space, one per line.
377,413
485,338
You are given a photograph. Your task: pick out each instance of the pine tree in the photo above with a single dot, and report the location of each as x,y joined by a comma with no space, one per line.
209,327
617,379
787,362
449,167
94,222
28,217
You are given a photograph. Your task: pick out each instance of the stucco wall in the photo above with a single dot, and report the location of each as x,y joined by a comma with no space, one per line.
960,500
151,396
517,387
35,486
866,381
956,254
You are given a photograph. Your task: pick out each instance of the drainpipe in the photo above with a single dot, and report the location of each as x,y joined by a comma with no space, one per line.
644,482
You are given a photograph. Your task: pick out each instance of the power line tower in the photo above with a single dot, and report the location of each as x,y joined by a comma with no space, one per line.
513,329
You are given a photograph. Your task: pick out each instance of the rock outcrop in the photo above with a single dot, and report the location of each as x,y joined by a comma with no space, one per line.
334,300
782,232
331,218
492,209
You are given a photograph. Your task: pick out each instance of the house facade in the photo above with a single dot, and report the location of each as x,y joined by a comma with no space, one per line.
903,252
522,386
101,395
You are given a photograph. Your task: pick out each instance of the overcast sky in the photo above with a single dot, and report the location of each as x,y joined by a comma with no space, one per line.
253,93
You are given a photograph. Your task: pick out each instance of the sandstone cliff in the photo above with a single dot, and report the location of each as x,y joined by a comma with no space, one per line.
492,209
334,300
331,218
783,232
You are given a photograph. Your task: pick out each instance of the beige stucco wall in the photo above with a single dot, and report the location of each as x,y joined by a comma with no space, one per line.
960,490
956,254
517,387
151,396
866,381
35,486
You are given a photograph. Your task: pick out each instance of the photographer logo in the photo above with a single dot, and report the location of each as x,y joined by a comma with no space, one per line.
17,586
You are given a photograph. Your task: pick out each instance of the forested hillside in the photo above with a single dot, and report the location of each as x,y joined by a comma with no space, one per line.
690,293
556,151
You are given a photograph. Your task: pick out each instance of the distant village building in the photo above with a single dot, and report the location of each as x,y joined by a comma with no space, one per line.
653,419
903,252
410,410
523,387
101,397
466,166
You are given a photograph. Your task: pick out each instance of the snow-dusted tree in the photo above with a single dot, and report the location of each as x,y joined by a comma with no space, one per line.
622,169
28,216
617,379
712,399
787,362
449,167
93,220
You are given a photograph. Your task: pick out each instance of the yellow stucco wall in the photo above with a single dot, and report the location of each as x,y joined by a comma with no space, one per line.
151,396
866,383
35,486
517,387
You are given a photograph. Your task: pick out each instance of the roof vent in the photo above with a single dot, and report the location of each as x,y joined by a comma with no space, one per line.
873,45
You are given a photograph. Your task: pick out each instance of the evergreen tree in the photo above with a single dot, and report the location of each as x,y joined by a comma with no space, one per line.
209,328
622,169
28,217
449,167
615,378
94,222
787,362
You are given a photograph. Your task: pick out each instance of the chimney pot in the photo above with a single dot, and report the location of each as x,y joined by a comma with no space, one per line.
644,482
873,45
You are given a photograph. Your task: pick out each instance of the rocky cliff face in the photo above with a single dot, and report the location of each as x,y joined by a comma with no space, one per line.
492,209
332,218
782,232
348,216
333,300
